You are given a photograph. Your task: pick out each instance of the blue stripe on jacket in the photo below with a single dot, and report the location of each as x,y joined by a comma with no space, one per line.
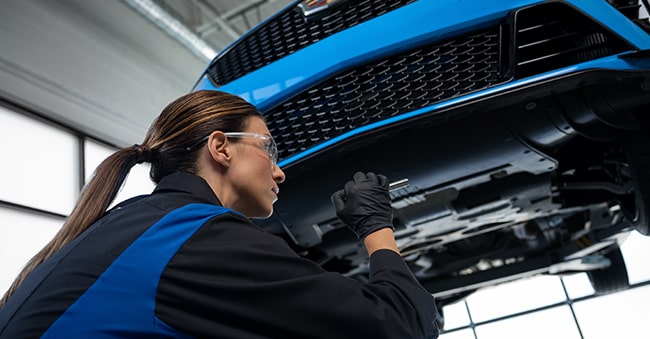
121,303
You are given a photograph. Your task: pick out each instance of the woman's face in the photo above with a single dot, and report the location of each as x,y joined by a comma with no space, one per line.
255,177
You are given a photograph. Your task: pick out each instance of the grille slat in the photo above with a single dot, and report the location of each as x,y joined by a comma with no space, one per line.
386,88
548,36
289,32
554,35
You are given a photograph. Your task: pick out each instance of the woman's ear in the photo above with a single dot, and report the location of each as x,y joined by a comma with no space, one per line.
219,148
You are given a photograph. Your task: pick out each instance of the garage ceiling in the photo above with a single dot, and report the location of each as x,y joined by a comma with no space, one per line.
108,68
217,23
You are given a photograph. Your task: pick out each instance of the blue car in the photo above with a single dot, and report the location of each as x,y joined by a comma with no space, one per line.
521,126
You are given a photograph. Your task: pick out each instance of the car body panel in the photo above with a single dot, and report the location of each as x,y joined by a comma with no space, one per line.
533,164
268,86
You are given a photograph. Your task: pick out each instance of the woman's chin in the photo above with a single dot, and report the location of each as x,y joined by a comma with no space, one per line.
261,214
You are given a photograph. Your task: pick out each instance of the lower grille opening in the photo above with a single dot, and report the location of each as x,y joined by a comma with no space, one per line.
385,88
554,35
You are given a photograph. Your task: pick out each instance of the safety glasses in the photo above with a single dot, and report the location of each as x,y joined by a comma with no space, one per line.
267,144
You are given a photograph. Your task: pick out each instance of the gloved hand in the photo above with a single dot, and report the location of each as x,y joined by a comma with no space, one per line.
364,204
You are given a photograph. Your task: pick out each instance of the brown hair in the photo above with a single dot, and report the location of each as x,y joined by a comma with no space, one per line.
170,146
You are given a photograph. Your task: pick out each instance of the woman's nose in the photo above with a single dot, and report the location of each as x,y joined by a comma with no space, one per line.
278,174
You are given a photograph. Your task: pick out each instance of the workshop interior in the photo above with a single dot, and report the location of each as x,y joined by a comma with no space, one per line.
515,134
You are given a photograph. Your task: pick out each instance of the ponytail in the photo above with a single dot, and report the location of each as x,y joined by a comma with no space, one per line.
183,123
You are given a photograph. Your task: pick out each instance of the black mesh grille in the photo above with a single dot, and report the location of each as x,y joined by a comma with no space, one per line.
290,32
386,88
554,35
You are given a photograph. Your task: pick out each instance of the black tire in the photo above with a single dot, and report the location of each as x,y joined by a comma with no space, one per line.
636,205
612,279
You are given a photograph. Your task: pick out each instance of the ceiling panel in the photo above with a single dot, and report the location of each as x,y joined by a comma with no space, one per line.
220,22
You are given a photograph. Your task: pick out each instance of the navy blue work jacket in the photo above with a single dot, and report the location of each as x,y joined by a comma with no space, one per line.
176,264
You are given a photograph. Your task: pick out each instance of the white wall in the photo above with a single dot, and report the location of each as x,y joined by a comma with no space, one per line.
95,65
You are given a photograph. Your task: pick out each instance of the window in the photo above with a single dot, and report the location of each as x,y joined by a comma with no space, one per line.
552,323
558,306
22,235
517,296
618,315
40,183
39,163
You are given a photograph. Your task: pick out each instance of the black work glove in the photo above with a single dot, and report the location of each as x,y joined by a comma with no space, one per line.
364,204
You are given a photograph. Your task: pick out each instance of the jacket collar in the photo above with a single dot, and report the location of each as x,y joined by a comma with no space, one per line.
187,183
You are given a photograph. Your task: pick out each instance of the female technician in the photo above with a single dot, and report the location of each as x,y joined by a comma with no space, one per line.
186,261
